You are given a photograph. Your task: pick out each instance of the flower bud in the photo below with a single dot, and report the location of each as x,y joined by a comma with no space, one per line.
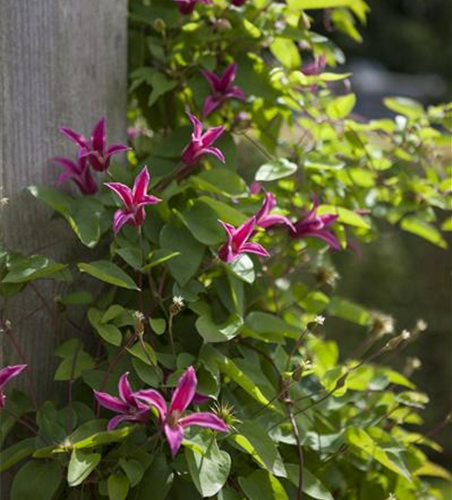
317,321
304,366
159,25
381,324
222,25
327,276
396,341
139,323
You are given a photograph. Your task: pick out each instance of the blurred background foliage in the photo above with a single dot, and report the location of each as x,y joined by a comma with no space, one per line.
410,278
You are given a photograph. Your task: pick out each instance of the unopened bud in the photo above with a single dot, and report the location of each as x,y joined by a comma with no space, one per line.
421,325
222,25
327,275
396,341
304,366
341,382
381,324
159,25
317,321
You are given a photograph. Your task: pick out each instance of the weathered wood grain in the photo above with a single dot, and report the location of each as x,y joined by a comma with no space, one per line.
62,62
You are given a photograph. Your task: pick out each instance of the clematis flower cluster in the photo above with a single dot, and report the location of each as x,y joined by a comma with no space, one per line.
238,238
93,152
313,225
6,375
222,89
136,407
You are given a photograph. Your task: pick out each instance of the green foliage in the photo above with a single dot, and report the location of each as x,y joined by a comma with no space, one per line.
304,416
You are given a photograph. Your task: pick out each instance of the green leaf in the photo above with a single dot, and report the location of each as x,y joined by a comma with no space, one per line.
202,221
404,106
211,332
261,485
36,480
80,466
345,309
161,84
149,357
131,256
243,268
346,216
265,324
160,257
340,107
222,181
209,469
118,487
311,485
256,441
179,239
277,169
75,360
423,229
286,52
224,212
359,439
16,453
25,269
157,480
134,470
77,298
158,325
104,437
110,333
109,273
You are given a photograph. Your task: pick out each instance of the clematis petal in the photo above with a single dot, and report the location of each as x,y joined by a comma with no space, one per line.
211,135
197,125
236,93
268,204
120,219
229,228
271,220
70,166
228,77
204,419
74,136
255,248
174,435
216,152
110,402
212,78
9,372
328,219
99,135
326,236
115,421
185,391
210,105
153,398
140,186
226,254
116,148
124,389
122,191
244,232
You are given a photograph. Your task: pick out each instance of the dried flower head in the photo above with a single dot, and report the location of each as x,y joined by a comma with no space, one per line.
225,411
177,305
381,324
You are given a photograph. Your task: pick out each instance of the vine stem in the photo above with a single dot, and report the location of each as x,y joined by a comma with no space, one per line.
20,420
296,434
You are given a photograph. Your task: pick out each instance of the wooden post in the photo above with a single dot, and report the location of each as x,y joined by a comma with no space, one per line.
62,62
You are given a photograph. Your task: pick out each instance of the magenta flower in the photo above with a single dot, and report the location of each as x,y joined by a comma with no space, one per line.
238,243
316,66
222,89
201,143
129,408
316,226
188,6
6,374
96,149
263,217
171,418
78,172
134,201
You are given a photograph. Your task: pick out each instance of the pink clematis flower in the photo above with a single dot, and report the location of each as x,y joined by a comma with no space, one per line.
134,201
316,66
78,172
238,243
6,374
316,226
129,408
171,419
96,149
188,6
222,89
201,143
238,3
263,217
